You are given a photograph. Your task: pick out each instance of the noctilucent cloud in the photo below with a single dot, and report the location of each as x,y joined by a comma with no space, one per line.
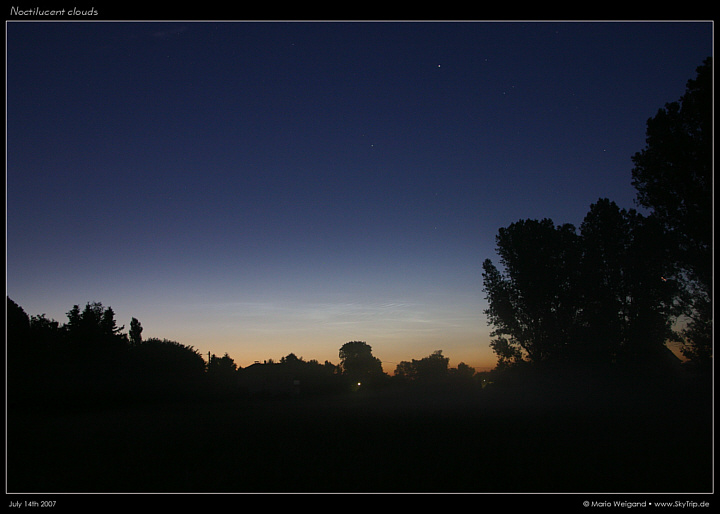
262,188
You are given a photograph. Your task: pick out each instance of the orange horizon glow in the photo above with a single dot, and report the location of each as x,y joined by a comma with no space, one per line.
390,352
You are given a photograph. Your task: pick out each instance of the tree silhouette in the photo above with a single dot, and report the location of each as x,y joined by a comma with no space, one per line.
94,326
463,372
292,375
89,361
222,372
532,306
221,366
603,233
432,368
291,359
597,297
95,349
405,371
135,333
673,177
358,364
22,356
17,329
34,336
162,366
626,301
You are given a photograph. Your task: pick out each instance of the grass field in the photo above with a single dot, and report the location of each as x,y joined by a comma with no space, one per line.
516,440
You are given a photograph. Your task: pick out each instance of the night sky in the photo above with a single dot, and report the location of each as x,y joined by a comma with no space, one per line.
259,189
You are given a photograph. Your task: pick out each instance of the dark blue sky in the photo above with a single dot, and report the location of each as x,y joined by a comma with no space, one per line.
266,188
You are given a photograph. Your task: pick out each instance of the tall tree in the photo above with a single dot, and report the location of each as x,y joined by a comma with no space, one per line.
673,178
135,333
94,347
531,305
108,323
603,236
626,300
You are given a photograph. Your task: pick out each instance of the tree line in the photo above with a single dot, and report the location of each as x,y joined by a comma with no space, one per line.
613,292
91,361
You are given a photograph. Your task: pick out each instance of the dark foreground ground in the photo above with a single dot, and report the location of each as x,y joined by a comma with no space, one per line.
520,439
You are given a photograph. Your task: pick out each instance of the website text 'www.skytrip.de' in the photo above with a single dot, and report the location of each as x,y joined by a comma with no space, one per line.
630,504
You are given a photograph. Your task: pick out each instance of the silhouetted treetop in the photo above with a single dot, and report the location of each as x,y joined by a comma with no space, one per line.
224,365
135,333
673,177
93,325
17,321
673,173
531,306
